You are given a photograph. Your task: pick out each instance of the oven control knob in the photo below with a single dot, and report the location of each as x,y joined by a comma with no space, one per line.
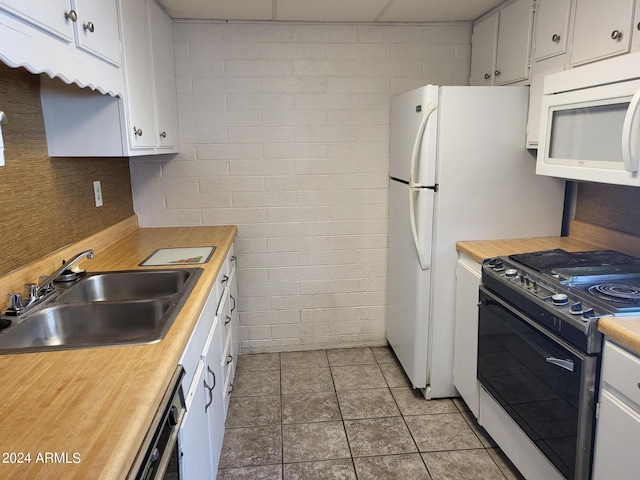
511,273
576,308
560,299
174,416
588,314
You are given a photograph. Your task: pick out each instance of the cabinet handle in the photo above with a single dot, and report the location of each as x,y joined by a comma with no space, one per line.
229,359
226,322
225,279
71,15
233,257
206,407
487,76
163,134
616,35
137,132
214,377
234,303
555,38
89,26
497,73
638,26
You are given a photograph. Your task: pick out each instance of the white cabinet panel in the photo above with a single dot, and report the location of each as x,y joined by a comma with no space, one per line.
514,42
483,50
164,77
501,45
465,369
46,15
600,31
193,437
47,36
551,32
635,38
617,440
97,29
138,74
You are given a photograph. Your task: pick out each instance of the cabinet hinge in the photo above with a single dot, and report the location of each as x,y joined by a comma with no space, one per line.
597,410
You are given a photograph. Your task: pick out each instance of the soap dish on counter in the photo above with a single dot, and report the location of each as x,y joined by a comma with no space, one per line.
179,256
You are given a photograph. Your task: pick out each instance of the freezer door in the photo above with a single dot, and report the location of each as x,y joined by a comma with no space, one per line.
409,286
408,129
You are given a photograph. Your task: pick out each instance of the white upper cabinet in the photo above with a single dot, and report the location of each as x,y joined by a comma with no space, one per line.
514,42
77,41
484,43
551,31
501,45
150,102
145,120
51,16
635,38
601,30
138,74
165,77
97,29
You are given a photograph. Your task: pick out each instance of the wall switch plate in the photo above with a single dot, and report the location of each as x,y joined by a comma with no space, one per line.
97,193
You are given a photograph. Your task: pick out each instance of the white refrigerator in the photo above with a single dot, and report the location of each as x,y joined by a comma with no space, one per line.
458,171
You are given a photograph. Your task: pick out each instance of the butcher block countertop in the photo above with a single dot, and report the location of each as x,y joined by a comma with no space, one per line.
623,330
83,414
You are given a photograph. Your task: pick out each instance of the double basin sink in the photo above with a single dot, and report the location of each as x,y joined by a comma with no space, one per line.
103,309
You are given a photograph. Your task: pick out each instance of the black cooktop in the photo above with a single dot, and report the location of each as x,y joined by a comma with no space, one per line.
552,261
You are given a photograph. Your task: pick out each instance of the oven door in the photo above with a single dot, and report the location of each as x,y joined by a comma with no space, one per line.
545,385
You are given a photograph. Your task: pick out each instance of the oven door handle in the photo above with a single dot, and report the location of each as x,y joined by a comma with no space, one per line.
566,364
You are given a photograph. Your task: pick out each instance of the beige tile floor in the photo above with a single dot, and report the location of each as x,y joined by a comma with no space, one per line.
348,414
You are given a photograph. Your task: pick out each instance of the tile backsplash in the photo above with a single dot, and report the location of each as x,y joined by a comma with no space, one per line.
47,203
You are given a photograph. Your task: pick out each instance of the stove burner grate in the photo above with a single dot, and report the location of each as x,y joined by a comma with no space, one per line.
616,293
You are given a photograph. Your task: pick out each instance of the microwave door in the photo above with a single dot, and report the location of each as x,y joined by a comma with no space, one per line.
631,136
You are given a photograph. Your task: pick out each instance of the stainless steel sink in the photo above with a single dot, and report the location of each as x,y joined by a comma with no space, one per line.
103,309
130,285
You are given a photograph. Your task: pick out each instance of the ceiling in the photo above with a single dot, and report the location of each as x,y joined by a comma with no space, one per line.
331,10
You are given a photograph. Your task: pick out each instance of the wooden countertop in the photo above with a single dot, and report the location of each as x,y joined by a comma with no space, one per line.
623,330
93,407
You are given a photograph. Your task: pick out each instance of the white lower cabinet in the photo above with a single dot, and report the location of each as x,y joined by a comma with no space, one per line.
209,362
618,424
465,367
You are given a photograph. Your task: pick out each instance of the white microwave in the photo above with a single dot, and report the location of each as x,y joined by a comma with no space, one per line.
589,125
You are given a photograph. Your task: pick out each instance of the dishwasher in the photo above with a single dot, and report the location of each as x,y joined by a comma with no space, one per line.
159,444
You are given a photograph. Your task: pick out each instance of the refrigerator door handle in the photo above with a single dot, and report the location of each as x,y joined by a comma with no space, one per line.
415,156
424,263
415,187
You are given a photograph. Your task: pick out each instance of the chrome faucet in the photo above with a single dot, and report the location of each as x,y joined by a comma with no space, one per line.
45,285
42,290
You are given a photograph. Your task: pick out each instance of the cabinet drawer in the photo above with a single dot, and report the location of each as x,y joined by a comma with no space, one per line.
621,372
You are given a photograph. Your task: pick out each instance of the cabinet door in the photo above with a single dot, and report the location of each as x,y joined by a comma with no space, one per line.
465,369
635,38
164,76
617,440
551,28
46,15
138,74
193,438
97,29
215,382
601,31
233,300
514,42
483,50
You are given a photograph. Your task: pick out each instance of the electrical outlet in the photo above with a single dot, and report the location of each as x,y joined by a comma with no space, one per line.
97,193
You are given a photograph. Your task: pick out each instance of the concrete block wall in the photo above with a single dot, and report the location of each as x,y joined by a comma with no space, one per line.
284,131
